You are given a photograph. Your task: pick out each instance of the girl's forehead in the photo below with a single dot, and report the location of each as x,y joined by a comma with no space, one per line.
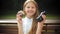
30,3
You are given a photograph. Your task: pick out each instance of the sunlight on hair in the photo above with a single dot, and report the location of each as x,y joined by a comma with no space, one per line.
30,0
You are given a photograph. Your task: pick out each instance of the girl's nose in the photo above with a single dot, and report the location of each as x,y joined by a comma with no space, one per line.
30,8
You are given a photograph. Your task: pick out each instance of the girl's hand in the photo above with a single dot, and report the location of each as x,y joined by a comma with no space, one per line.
19,20
19,17
44,17
40,25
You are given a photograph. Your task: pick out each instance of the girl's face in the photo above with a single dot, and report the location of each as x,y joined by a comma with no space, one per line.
30,9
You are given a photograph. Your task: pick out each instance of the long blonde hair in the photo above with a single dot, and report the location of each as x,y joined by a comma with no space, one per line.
34,23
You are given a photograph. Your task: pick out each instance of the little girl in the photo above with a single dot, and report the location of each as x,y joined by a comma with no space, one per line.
29,24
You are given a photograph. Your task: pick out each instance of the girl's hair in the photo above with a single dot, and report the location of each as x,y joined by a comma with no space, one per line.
34,24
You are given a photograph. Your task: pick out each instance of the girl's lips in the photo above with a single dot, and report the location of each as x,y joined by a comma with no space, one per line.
30,11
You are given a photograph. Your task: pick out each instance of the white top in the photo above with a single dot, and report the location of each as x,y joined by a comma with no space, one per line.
27,23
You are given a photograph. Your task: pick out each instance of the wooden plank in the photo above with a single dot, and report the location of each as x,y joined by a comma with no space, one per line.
15,21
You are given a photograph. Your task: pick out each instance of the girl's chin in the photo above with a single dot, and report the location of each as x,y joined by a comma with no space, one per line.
30,15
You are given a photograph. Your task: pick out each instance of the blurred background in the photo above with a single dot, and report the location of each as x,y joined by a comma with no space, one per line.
9,8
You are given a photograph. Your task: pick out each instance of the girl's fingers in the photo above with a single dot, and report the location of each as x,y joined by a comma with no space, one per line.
19,18
44,17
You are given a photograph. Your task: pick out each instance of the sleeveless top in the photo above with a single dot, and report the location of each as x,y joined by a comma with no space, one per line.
27,23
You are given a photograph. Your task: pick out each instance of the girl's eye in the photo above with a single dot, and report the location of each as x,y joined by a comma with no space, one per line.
32,7
28,7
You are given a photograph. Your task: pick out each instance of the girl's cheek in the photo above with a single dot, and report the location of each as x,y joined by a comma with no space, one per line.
34,10
26,9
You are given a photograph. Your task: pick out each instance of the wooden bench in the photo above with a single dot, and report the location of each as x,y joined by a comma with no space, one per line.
51,28
11,28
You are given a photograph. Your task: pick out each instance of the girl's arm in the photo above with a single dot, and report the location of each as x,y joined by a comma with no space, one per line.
19,23
40,25
20,29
